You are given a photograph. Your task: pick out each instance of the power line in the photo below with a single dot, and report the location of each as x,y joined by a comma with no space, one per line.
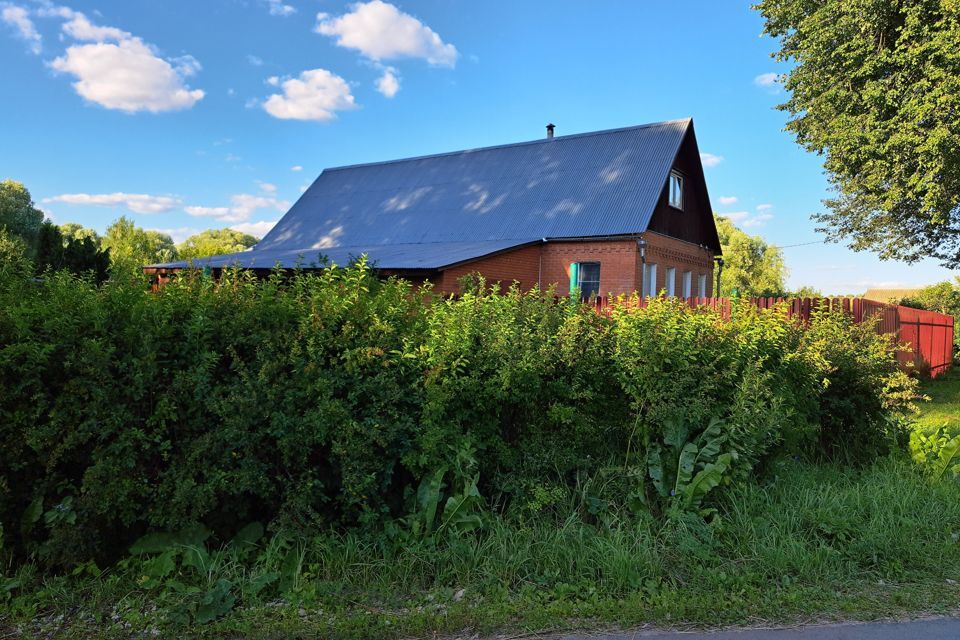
802,244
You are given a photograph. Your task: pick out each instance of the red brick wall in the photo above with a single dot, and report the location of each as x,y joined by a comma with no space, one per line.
620,266
667,252
521,265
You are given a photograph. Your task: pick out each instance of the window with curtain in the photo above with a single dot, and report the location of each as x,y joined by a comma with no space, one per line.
588,279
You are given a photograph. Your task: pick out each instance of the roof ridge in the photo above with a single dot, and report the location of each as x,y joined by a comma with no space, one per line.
585,134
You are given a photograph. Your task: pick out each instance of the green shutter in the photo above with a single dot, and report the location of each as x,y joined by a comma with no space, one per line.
574,277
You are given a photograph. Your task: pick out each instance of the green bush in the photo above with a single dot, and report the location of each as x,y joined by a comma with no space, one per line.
863,391
336,400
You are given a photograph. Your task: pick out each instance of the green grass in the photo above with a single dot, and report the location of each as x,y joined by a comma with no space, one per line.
811,542
806,542
944,406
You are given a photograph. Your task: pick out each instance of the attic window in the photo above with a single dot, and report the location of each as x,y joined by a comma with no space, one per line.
676,190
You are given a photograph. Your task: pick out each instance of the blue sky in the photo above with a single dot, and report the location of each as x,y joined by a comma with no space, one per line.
192,115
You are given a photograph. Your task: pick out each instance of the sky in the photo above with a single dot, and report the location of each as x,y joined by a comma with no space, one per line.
188,115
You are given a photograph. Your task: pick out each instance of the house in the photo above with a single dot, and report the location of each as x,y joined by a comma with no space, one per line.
610,212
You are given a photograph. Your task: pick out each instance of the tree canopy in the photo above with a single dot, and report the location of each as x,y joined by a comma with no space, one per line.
875,88
77,253
78,231
18,215
213,242
131,248
751,267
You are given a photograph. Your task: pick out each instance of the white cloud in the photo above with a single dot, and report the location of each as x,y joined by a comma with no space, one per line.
136,202
232,157
316,95
80,28
273,81
120,71
388,84
19,18
127,76
277,8
710,159
764,207
254,60
758,220
266,187
241,209
380,31
728,200
296,168
768,80
258,229
736,216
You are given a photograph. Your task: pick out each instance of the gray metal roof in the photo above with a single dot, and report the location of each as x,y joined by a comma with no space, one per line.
424,255
433,211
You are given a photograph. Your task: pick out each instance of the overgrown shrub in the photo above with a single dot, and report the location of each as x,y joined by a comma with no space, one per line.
863,391
334,400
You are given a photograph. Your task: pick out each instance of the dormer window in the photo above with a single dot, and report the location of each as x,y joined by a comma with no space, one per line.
676,190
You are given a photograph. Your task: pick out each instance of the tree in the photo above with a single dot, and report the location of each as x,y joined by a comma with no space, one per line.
132,248
751,267
875,88
806,291
78,254
17,213
74,230
214,242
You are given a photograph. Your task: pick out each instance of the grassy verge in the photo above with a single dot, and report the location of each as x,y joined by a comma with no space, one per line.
811,542
806,542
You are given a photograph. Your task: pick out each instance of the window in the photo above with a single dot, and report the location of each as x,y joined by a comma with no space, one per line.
676,190
687,284
649,279
671,281
588,279
702,285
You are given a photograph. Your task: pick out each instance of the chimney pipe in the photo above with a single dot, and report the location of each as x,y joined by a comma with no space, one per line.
550,128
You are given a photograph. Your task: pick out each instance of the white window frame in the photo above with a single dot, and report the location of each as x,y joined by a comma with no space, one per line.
650,279
687,284
702,285
670,281
675,190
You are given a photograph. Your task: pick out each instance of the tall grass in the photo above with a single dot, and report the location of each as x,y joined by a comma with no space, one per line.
809,537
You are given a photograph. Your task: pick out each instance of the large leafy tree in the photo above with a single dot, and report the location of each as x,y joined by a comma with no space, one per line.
18,215
131,248
77,253
213,242
73,230
751,267
875,88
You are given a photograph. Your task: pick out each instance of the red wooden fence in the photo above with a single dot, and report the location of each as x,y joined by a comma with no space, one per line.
927,335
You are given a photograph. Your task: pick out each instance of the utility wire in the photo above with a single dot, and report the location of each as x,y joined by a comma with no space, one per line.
802,244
